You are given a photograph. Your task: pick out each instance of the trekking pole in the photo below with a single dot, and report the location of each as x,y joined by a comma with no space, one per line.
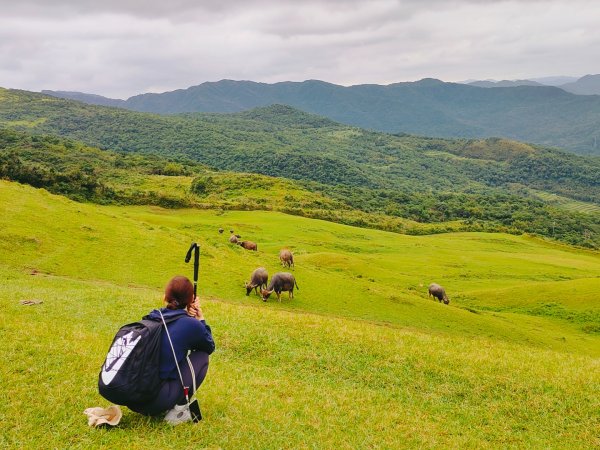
196,248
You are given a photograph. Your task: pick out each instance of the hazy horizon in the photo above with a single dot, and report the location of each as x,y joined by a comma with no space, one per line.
122,48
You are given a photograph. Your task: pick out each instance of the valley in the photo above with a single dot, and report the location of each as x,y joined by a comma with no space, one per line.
90,235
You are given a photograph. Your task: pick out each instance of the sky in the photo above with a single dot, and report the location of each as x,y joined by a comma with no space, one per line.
120,48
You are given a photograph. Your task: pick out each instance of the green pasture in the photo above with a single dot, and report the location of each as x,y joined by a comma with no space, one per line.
360,358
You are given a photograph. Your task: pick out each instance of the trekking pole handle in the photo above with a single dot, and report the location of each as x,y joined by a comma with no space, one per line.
196,248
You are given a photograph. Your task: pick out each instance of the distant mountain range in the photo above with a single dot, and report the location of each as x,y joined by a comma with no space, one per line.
504,83
534,113
90,99
554,80
587,85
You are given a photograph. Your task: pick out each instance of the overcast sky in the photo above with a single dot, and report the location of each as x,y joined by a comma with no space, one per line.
120,48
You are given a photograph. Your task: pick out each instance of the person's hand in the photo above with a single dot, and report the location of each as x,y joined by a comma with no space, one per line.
194,310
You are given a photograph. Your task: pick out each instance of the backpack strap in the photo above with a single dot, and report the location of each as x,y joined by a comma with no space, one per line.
185,388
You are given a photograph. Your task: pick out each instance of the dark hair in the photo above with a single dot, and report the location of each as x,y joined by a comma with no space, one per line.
179,293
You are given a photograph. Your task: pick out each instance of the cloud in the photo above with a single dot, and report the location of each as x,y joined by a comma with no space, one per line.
121,48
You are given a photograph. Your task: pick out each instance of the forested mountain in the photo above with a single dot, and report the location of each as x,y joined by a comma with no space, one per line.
486,183
539,114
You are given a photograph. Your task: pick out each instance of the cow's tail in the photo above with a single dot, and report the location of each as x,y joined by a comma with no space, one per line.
296,283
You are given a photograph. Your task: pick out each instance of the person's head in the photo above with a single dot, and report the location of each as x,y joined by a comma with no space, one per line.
179,293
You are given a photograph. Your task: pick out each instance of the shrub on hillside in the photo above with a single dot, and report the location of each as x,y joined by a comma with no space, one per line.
201,184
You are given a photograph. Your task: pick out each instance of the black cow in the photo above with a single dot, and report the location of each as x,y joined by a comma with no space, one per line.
258,279
280,282
438,292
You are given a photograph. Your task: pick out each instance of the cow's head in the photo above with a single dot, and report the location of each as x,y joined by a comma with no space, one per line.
248,287
265,294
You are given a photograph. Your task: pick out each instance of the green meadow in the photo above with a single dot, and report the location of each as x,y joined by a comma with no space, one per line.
360,358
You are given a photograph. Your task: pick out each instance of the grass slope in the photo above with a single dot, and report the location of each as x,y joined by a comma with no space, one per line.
360,358
366,179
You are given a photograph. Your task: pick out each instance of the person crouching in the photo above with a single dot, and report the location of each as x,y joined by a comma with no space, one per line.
192,343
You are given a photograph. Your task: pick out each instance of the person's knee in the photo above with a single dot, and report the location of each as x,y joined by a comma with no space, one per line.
199,360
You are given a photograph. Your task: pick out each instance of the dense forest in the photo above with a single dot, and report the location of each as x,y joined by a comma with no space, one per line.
71,168
541,114
283,141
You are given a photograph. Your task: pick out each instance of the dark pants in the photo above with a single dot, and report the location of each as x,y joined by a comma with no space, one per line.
171,391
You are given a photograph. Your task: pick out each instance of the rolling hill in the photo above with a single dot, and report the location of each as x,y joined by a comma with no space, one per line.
512,360
539,114
495,184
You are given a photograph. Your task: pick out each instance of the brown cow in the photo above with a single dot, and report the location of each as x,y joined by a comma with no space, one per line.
438,292
233,239
281,281
258,279
286,258
248,245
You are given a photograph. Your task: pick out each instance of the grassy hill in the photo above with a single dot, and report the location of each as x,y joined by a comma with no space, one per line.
360,358
541,114
491,184
88,174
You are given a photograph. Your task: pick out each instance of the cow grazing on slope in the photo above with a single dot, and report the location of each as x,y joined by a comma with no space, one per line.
233,239
258,279
286,257
280,282
438,292
248,245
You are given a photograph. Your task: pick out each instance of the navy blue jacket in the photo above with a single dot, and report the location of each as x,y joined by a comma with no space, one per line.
187,333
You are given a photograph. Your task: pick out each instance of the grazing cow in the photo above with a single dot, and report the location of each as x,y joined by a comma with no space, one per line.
221,230
258,279
233,239
286,258
438,292
281,281
248,245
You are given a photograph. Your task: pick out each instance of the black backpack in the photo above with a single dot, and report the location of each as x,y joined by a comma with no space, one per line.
130,373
